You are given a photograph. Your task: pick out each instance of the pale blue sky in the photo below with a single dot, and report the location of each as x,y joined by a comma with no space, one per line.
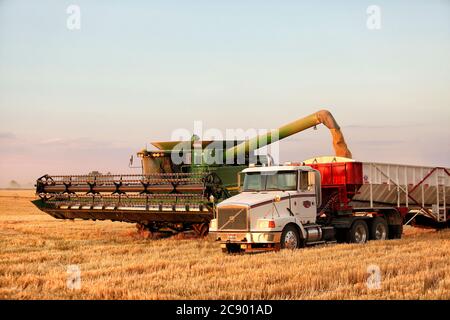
73,101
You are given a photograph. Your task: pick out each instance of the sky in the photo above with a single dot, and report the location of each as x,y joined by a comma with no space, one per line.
73,101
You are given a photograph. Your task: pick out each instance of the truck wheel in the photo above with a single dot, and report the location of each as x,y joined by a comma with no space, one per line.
379,229
395,231
358,233
290,238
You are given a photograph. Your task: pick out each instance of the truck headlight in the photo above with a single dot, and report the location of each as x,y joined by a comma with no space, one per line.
266,224
213,225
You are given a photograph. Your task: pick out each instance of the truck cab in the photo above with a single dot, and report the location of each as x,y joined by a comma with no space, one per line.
277,208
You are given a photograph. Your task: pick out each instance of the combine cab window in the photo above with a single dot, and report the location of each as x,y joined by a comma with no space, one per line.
270,181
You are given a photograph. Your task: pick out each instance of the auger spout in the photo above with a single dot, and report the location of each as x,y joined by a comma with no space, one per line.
321,117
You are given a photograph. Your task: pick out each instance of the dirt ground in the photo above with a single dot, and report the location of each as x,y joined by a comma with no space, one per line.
45,258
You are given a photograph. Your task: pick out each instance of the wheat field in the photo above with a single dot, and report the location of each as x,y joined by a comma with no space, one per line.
116,263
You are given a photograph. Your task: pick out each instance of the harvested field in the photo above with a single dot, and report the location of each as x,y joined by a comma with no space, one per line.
116,263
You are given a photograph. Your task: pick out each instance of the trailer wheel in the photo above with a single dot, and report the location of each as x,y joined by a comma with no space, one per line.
395,231
290,239
379,229
358,233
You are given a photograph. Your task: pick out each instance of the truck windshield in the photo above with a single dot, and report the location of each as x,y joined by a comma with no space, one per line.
270,181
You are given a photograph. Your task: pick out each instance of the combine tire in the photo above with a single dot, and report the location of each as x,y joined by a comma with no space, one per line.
290,239
358,233
379,229
144,231
201,229
395,231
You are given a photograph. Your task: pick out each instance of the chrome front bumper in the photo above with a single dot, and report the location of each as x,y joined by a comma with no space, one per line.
248,237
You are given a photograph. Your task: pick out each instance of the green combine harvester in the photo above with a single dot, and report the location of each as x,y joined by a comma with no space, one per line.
180,183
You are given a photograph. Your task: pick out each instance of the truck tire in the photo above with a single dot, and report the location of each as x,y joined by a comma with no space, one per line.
379,229
358,233
290,238
395,231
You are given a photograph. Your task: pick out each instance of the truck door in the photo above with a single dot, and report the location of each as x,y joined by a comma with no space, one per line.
303,202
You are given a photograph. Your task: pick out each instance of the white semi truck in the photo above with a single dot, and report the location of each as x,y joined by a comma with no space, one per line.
323,200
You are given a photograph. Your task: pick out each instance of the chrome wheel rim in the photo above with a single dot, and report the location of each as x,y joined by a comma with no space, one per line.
290,240
360,234
380,232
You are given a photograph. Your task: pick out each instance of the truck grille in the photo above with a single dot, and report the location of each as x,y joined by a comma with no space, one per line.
232,218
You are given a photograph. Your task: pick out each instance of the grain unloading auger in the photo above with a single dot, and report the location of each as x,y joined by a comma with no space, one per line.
169,195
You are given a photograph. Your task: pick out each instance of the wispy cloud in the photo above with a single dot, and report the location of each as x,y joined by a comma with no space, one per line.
382,126
369,143
51,141
7,136
57,155
78,143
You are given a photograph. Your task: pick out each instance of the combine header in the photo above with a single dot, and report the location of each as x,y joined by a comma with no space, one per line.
176,199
